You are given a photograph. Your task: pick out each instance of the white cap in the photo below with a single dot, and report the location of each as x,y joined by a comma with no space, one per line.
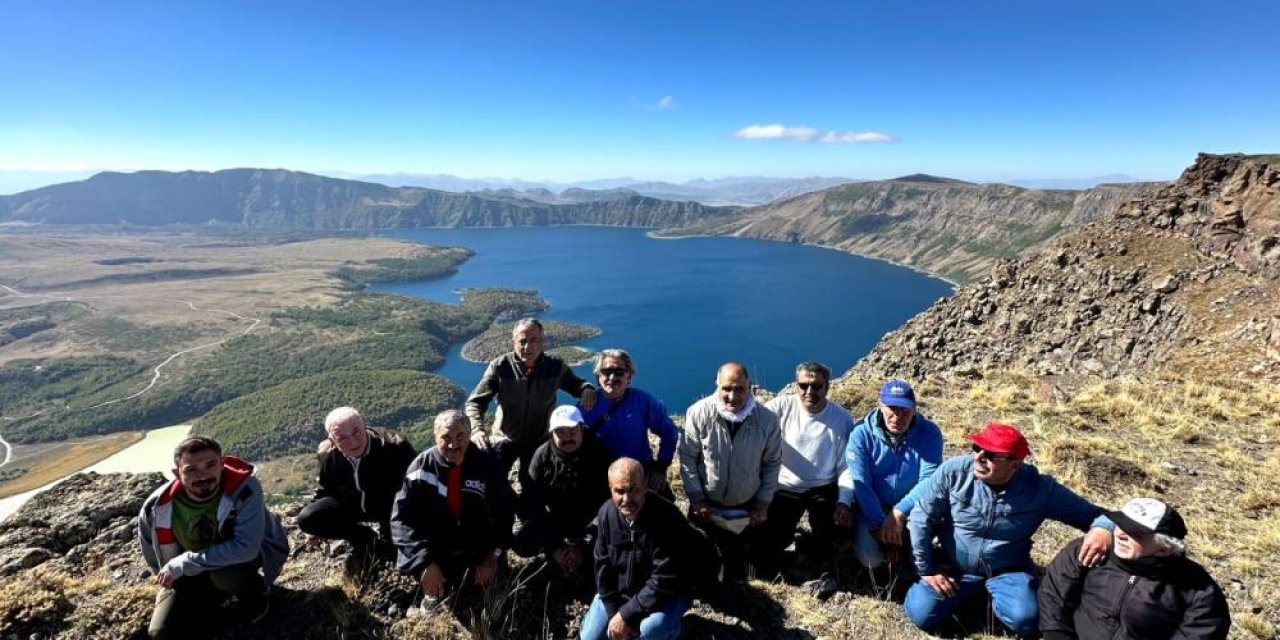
565,415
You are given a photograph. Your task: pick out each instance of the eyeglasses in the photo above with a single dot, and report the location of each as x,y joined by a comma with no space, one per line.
617,373
805,386
994,457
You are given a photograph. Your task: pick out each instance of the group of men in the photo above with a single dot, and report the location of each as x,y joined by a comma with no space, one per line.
593,500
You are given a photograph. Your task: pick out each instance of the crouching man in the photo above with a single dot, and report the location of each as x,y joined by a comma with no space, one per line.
451,521
205,535
647,561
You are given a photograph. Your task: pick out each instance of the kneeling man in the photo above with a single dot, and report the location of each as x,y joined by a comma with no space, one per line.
205,535
452,518
646,558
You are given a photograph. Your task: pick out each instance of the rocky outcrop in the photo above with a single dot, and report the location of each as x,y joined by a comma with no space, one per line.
1184,278
950,228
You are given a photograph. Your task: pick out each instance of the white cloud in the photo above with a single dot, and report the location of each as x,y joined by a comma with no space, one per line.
666,102
809,134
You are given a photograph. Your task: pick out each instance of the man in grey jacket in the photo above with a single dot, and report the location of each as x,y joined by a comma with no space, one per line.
730,455
205,535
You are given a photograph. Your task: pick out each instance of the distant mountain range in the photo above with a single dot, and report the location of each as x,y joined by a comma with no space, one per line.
951,228
279,199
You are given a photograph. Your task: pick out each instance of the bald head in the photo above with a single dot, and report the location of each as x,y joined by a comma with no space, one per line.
627,486
733,386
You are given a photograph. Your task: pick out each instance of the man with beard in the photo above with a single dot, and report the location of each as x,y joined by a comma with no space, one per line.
984,508
730,456
205,535
452,518
892,451
625,416
524,381
567,485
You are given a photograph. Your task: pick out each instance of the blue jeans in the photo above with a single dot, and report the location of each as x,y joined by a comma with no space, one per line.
1013,597
663,624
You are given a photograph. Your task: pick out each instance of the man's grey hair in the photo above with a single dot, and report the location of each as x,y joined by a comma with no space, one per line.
341,415
816,368
448,418
523,323
615,353
1164,541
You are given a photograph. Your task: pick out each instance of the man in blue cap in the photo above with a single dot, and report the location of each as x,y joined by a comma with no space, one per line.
892,451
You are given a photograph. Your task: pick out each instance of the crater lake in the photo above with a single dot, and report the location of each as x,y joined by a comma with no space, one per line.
683,306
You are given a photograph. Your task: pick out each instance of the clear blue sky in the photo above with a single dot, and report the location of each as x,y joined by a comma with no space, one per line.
665,90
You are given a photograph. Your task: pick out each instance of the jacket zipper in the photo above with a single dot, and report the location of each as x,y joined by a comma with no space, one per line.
1121,632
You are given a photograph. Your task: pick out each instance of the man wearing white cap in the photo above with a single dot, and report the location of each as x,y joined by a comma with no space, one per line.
569,480
1147,588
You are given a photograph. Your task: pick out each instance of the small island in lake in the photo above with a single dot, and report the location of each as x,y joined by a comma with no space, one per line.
557,339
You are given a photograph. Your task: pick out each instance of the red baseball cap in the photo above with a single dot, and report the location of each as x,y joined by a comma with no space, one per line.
1002,438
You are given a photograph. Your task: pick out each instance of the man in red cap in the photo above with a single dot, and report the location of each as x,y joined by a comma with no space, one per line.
984,507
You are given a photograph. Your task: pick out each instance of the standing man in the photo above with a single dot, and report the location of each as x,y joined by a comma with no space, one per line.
646,559
892,452
730,457
361,469
814,435
984,508
205,534
568,483
452,517
625,416
524,381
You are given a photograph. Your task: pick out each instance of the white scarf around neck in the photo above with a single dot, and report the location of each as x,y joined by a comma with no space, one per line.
741,415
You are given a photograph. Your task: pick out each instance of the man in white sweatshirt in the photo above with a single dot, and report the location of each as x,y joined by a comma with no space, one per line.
814,435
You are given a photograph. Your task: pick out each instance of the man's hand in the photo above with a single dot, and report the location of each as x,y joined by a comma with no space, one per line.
568,557
891,531
588,399
843,515
618,629
480,439
941,583
486,570
164,578
1096,545
700,510
433,581
758,516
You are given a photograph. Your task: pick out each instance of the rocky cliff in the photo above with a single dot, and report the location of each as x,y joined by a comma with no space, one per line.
950,228
1182,279
276,199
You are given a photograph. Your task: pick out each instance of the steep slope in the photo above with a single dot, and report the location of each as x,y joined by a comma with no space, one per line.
946,227
1185,279
275,199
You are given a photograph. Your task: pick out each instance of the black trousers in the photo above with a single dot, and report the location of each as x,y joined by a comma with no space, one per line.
191,608
331,519
785,512
736,549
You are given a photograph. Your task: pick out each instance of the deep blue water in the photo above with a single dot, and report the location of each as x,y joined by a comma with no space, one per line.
682,307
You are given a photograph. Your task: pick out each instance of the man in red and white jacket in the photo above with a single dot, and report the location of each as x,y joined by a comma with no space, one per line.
205,535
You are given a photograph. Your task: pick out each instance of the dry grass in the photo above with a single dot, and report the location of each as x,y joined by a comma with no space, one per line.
65,458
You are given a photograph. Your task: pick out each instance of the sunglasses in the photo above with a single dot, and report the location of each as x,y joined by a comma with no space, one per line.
805,386
994,457
617,373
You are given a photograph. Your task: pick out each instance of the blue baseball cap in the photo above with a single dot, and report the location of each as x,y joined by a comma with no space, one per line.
897,393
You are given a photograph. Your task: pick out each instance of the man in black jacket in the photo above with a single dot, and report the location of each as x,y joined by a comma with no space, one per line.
647,557
361,469
452,517
567,484
1146,588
